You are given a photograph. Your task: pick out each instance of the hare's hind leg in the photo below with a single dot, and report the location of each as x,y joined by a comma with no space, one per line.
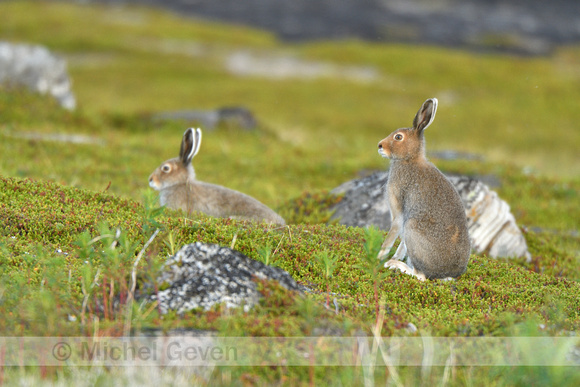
395,264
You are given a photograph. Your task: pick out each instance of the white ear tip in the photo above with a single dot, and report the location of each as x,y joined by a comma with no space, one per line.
434,101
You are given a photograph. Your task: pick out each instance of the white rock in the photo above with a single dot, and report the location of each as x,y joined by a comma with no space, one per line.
36,68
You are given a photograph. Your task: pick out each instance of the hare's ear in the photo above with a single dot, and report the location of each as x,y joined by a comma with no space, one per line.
190,145
425,115
197,142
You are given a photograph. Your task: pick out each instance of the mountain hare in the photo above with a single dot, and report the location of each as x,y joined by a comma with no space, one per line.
175,179
426,210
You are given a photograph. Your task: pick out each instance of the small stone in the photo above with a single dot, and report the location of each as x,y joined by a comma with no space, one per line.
411,327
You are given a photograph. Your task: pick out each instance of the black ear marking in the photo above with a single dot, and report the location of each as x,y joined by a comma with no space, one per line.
425,115
187,145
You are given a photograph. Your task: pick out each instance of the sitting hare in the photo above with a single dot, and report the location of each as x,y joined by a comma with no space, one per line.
175,179
426,210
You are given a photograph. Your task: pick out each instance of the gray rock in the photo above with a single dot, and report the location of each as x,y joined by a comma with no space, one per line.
202,275
37,69
455,155
237,116
492,227
364,202
208,119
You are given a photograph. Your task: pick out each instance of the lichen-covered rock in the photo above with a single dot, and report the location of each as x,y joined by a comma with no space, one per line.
36,68
492,227
364,202
202,275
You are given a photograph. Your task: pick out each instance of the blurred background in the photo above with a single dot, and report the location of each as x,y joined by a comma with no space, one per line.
293,95
517,26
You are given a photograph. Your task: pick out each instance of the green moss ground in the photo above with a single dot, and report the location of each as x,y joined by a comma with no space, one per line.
55,197
475,304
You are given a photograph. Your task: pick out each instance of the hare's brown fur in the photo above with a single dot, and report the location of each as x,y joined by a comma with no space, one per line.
218,201
426,210
179,189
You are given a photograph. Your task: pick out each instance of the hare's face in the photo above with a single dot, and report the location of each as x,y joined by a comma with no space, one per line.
170,173
402,144
409,143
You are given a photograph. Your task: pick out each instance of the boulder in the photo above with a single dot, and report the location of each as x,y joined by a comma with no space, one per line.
202,275
492,227
37,69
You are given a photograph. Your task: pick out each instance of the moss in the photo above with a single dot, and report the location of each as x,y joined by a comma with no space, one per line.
476,304
52,213
309,208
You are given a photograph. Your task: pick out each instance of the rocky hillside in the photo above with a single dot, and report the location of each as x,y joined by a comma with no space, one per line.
520,26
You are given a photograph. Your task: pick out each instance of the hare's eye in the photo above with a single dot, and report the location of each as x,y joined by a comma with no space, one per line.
398,136
166,168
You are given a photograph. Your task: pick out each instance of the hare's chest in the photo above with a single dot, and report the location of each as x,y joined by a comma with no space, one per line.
399,186
395,198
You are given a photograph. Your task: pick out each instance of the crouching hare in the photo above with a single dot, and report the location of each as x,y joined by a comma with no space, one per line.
426,210
175,179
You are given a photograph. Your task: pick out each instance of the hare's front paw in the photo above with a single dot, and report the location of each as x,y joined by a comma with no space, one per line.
396,264
383,254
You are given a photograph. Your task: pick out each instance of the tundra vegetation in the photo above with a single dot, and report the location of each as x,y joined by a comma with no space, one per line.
75,216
